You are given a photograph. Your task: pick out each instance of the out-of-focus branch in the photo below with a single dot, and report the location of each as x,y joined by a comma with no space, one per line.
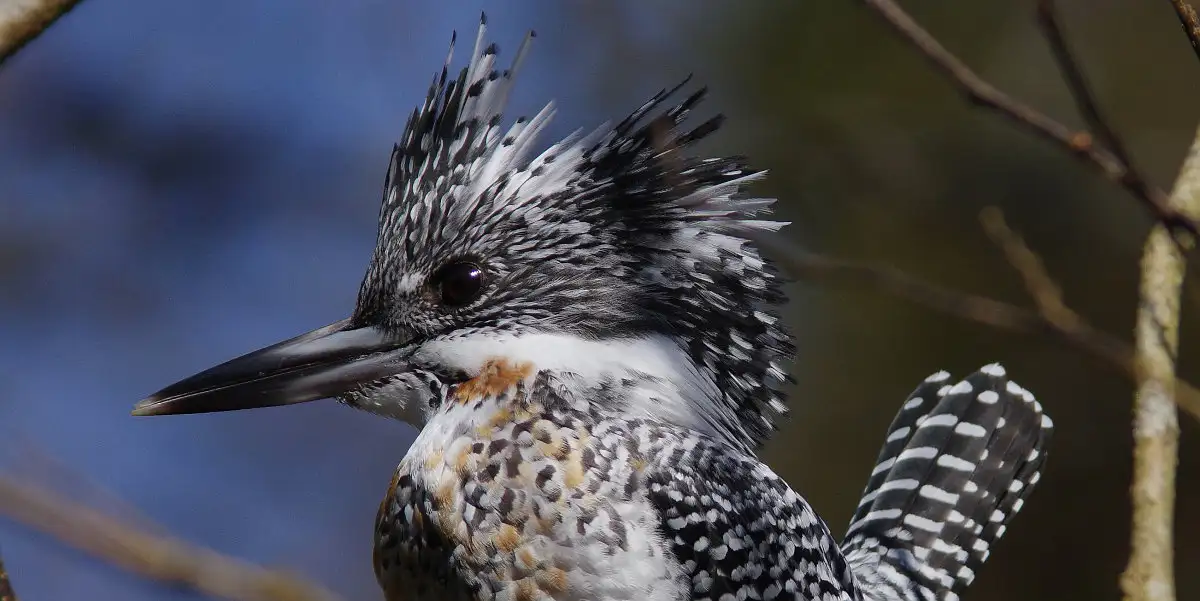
1080,144
1046,293
6,589
1150,573
1190,23
1085,101
23,20
150,555
1075,333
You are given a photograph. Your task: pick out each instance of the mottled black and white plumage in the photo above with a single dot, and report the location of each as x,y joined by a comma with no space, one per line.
591,348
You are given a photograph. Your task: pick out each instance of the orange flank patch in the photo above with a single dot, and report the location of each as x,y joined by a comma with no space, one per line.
496,376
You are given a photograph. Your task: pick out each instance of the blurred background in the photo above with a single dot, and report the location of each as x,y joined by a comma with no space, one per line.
181,182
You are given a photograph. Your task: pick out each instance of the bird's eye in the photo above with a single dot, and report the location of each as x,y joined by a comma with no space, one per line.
458,283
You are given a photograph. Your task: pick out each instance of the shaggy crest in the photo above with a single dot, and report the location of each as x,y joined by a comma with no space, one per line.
614,234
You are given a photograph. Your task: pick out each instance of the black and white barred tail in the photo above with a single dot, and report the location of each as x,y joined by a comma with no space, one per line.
957,465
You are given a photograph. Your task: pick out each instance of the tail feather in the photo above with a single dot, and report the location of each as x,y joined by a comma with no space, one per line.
915,407
958,463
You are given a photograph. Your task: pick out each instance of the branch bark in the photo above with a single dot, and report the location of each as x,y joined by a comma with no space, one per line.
1190,23
23,20
1149,575
153,556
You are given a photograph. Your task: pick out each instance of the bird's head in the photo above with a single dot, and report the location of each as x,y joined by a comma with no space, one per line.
613,257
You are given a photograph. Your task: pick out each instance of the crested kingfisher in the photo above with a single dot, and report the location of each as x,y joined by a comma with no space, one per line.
589,343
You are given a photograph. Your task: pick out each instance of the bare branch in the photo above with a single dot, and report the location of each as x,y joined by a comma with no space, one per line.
1190,23
6,589
153,556
1076,334
1080,144
1133,179
23,20
1150,573
1046,293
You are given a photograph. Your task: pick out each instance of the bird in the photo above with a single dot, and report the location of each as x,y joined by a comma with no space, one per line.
590,346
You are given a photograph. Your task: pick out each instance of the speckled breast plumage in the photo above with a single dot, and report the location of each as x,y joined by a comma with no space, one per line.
531,492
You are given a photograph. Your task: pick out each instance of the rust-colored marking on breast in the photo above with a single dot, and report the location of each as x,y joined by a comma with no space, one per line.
501,417
526,559
545,526
462,460
496,376
445,493
527,590
552,580
507,538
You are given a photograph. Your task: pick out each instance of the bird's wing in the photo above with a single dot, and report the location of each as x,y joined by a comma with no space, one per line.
738,529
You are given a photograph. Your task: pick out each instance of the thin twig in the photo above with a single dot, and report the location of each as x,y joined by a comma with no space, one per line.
1190,23
966,306
153,556
1080,144
6,589
23,20
1150,574
1085,101
1046,293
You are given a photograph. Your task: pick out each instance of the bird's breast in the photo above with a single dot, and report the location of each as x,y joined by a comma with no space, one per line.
521,493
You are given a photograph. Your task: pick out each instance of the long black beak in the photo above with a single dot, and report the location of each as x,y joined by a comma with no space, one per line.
320,364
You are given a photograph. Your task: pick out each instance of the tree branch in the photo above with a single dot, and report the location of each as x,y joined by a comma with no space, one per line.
1074,333
1085,101
1046,293
153,556
1080,144
1150,573
1190,23
23,20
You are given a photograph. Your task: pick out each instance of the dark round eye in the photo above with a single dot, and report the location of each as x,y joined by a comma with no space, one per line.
458,283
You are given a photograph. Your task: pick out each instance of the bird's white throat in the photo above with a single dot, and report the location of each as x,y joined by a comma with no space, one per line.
650,375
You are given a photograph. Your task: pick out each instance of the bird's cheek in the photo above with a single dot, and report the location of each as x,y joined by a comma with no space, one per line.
410,397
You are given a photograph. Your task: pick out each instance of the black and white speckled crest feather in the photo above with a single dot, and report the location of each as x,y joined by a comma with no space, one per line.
616,233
